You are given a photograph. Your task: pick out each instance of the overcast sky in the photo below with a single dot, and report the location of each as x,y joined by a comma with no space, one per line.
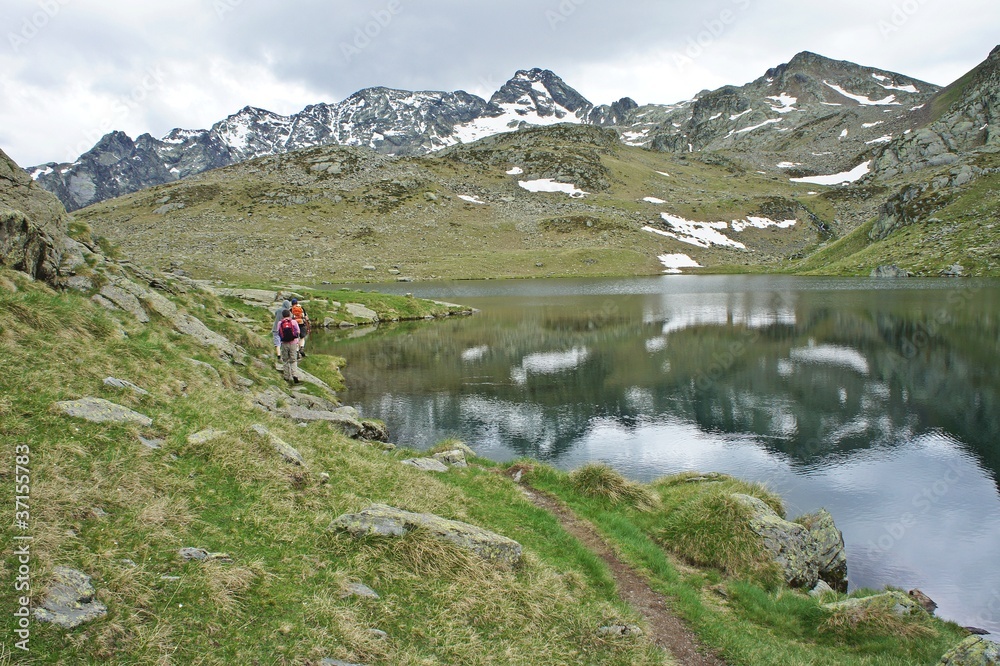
72,70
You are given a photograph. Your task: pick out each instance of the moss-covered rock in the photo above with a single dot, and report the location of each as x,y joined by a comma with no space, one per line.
383,520
973,651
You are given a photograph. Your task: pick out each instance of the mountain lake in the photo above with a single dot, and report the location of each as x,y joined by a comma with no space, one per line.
878,399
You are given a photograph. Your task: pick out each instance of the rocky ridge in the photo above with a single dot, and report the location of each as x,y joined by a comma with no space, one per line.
812,115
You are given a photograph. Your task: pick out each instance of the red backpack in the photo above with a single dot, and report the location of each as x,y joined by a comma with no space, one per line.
286,330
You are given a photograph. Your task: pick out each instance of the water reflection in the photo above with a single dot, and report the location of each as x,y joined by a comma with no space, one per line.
878,400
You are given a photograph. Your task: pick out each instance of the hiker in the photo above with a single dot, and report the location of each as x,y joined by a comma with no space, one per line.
285,305
288,333
302,319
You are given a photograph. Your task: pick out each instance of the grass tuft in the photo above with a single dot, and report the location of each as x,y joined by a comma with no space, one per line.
601,481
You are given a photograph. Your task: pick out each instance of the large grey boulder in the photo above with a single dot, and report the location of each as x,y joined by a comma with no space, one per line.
831,556
383,520
99,410
803,556
70,600
973,651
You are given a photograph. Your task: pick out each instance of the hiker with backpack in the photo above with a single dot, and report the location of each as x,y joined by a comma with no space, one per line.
302,319
288,334
285,305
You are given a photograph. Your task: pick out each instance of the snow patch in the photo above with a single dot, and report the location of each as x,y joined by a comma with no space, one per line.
785,103
761,223
549,185
861,99
788,165
741,113
882,139
38,173
515,171
663,173
867,125
837,178
466,197
769,121
673,263
653,200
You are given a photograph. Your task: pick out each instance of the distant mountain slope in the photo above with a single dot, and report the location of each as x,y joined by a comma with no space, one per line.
389,121
810,116
962,117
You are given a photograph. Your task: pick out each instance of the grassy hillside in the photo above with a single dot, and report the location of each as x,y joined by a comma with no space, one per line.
956,225
346,214
103,502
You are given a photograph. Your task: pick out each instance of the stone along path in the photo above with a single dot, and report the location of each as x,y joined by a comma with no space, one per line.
667,631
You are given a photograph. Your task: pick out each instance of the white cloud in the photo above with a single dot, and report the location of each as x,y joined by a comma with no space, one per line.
61,84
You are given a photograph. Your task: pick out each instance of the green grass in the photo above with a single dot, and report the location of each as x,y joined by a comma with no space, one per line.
103,503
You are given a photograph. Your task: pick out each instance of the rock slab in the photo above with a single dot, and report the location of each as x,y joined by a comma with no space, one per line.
99,410
70,600
973,651
384,520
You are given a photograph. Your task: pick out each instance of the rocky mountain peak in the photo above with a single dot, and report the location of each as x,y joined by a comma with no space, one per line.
541,91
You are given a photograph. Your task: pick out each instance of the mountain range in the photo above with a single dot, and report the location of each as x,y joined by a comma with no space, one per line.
851,153
813,114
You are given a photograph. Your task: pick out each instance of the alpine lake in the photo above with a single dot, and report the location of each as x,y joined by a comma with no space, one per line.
878,399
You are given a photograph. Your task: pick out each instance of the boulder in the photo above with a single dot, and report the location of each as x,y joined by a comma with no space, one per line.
831,556
453,458
70,600
791,545
99,410
359,311
383,520
973,651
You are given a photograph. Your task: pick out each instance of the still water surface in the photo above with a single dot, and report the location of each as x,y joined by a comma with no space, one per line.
877,399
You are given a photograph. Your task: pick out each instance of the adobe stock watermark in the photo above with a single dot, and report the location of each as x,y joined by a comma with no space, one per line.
900,15
923,501
121,107
712,30
562,12
365,34
32,24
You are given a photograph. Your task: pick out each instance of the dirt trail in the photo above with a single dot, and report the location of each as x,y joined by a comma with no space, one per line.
666,629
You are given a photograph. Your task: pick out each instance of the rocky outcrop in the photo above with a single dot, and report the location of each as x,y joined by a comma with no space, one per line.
805,552
973,651
962,117
894,601
99,410
70,600
33,236
383,520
